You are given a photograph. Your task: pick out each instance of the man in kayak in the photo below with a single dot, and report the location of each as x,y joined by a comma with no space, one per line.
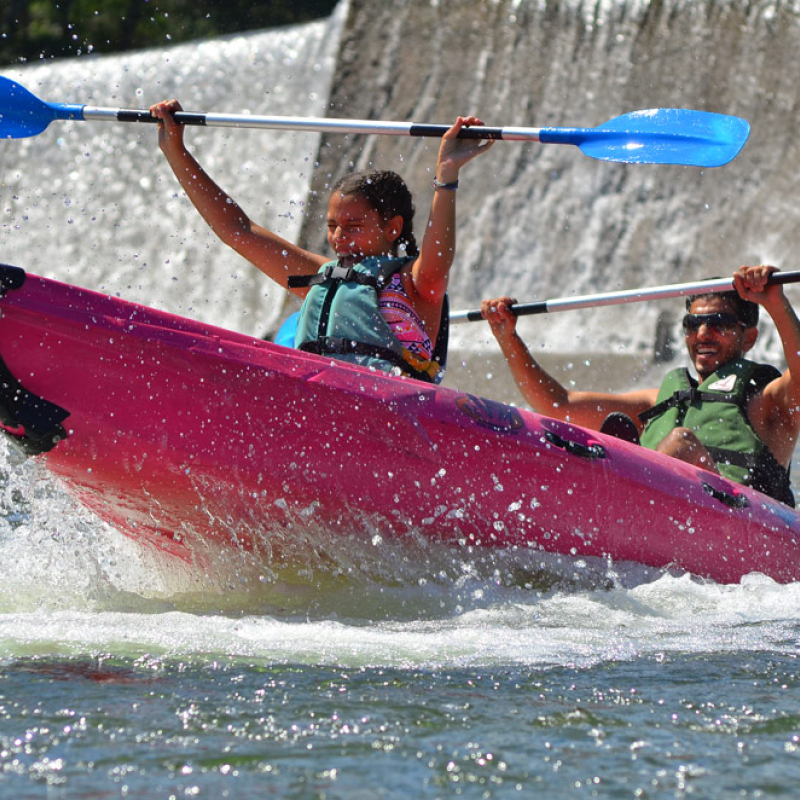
371,305
738,418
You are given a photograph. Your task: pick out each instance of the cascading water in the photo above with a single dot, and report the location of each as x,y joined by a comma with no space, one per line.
95,203
542,221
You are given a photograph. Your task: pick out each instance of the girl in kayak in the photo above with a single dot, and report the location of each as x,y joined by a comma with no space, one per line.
371,306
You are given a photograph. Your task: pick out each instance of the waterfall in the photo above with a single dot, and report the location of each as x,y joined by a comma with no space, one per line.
543,221
96,204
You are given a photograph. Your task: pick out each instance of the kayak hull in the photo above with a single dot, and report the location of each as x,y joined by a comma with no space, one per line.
185,436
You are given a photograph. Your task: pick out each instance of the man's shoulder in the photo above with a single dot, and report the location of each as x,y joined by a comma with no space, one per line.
766,402
759,378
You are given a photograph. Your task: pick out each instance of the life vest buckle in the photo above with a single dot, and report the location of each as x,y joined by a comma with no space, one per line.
337,272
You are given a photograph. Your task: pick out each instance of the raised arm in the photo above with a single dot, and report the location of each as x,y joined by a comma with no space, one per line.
542,391
432,267
273,255
776,412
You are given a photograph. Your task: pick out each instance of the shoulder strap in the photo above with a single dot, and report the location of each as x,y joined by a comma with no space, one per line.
389,269
687,396
439,354
763,375
760,377
339,274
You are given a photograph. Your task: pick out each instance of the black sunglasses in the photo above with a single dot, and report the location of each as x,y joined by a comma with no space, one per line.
722,320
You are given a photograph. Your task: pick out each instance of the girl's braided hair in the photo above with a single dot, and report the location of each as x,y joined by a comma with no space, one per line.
388,194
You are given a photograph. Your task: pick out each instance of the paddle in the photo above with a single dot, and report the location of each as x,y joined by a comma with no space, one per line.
626,296
656,136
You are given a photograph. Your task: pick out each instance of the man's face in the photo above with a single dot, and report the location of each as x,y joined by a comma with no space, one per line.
710,346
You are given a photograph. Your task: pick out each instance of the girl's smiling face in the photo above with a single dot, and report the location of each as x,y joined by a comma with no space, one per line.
356,230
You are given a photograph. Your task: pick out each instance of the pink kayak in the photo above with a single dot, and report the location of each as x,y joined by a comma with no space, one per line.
183,436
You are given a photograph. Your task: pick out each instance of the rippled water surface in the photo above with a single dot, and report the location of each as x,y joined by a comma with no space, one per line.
660,725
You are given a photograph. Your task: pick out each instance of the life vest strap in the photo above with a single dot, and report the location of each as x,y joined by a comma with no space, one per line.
689,397
335,345
341,274
736,459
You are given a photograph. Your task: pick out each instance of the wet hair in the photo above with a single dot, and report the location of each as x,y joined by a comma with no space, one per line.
388,194
746,311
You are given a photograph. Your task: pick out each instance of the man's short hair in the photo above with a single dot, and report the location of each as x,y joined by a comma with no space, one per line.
745,310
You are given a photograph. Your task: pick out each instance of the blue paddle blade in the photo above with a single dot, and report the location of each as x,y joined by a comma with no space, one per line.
22,114
660,136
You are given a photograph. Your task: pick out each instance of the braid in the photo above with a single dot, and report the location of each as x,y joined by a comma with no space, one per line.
388,194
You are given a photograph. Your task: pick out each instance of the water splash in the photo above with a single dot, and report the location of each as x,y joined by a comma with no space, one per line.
95,203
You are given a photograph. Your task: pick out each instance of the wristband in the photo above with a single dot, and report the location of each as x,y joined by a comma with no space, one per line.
451,187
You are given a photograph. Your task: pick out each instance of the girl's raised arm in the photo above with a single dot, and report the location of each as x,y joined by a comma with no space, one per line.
432,267
273,255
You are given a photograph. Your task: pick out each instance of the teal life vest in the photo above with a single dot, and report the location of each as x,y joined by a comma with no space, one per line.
340,317
716,410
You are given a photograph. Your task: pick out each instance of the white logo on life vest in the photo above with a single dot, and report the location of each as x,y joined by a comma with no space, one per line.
724,384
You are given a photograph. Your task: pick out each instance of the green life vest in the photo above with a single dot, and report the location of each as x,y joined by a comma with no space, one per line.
716,410
341,317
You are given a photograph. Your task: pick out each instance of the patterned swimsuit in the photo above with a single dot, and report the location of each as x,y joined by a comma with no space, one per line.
396,309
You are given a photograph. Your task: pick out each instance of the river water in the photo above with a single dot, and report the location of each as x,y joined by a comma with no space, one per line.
399,671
